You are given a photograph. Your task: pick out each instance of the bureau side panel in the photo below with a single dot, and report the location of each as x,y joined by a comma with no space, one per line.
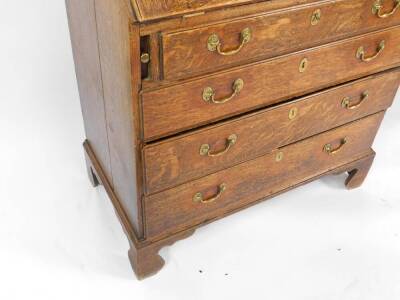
121,85
82,24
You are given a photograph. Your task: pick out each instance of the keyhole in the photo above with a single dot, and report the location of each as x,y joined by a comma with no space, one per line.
279,157
303,65
293,113
316,17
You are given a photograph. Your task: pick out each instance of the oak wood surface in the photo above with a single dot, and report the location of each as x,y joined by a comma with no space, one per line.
82,24
190,21
113,23
181,107
143,254
101,32
150,126
177,160
145,259
359,173
185,53
174,210
155,9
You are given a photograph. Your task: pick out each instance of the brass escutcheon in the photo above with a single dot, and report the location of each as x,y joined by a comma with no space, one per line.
293,113
279,157
303,65
316,17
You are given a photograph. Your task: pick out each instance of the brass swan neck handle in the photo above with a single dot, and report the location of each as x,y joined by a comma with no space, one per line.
346,103
377,9
328,148
214,43
362,56
205,149
209,93
199,197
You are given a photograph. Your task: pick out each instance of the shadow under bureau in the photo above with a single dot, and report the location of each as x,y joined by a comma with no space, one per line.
194,110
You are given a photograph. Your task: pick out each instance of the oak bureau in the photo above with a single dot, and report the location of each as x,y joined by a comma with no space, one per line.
195,109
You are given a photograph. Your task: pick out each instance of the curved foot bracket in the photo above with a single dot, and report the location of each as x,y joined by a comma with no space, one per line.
143,255
357,170
145,259
359,173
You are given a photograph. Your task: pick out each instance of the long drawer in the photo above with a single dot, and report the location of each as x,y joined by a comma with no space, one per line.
180,107
178,160
204,49
192,203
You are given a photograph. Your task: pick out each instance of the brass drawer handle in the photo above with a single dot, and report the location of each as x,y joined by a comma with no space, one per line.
214,44
377,9
230,141
209,94
346,103
328,148
361,52
198,197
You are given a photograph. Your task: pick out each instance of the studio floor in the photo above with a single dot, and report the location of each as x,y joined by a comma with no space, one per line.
60,238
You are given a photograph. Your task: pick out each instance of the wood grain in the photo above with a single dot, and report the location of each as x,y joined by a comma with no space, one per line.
144,255
174,210
82,25
101,39
211,17
178,160
185,53
145,129
145,259
181,107
156,9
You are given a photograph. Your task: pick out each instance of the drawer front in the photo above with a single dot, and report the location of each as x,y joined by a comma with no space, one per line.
195,155
187,105
180,207
204,49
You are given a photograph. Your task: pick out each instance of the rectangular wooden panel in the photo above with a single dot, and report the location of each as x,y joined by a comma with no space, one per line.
178,160
276,33
177,209
120,76
180,107
155,9
82,25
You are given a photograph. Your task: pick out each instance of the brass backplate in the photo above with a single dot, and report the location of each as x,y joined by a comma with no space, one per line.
204,149
376,6
145,58
198,197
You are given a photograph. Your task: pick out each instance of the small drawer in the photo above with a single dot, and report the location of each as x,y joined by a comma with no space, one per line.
184,158
215,195
180,107
226,44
